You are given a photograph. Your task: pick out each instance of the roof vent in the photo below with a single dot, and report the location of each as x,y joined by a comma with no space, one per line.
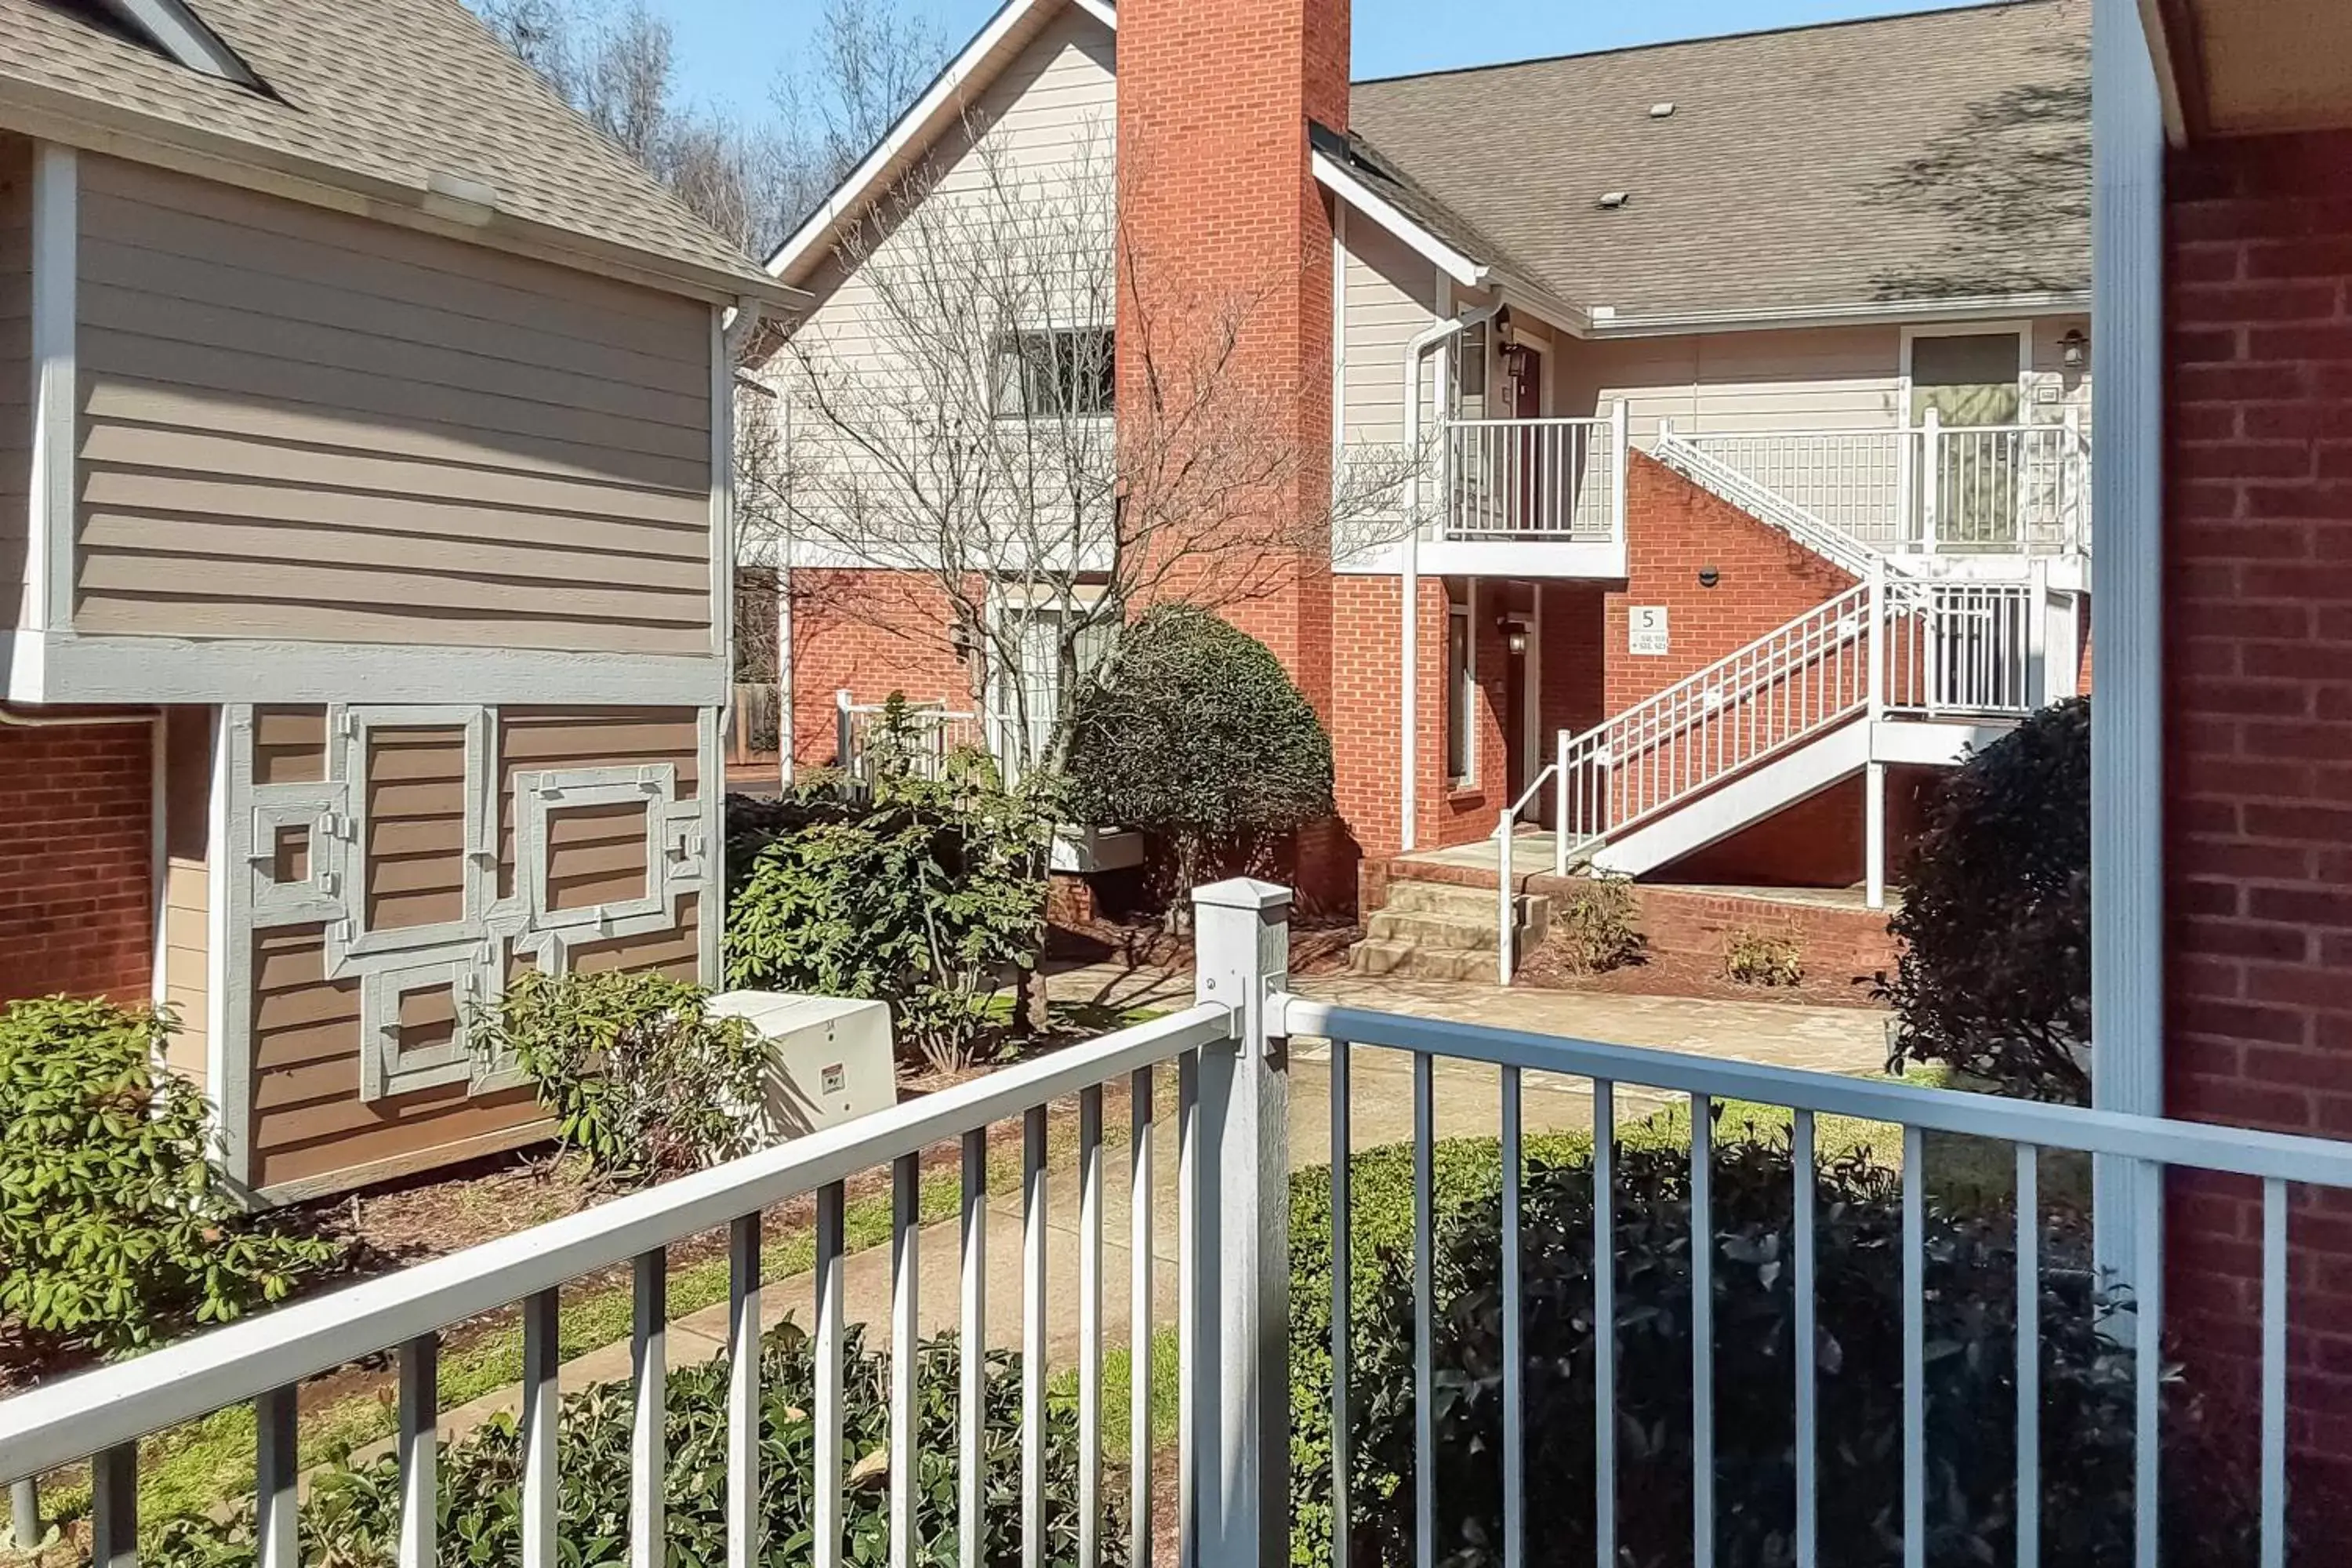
1662,110
1611,200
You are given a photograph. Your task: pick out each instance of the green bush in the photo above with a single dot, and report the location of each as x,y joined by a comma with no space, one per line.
1199,737
920,893
1995,975
1758,958
351,1515
641,1079
2087,1380
114,1230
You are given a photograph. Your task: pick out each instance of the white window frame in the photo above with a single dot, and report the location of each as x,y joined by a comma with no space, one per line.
1461,700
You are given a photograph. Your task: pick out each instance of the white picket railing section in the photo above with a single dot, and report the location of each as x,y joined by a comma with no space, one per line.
1934,488
1535,480
1233,1152
935,733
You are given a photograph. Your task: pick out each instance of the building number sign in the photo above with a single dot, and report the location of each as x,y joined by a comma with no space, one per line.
1646,629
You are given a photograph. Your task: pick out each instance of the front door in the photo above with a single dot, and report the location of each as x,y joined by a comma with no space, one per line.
1970,380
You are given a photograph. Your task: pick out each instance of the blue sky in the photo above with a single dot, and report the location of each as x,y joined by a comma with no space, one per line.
729,50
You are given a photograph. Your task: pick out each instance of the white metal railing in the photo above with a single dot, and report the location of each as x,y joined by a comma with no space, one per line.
934,733
1933,488
1234,1159
1507,911
1894,645
1535,480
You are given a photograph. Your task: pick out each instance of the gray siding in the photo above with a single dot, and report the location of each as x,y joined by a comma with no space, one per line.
297,424
16,369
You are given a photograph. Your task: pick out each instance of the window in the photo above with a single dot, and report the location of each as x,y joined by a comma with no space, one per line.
1470,360
1461,692
1049,374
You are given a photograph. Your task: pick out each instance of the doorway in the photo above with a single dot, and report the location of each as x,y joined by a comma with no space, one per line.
1523,399
1973,383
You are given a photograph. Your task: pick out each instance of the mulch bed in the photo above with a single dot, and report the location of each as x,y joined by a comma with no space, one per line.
1318,946
1688,974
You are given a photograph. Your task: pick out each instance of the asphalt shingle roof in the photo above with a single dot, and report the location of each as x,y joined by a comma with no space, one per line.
1939,155
391,91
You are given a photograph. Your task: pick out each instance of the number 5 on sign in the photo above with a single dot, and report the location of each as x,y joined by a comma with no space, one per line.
1646,629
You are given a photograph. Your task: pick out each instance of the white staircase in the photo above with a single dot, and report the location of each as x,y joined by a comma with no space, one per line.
1723,480
1793,713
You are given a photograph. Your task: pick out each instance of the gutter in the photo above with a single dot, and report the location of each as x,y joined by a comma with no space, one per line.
1605,322
1408,643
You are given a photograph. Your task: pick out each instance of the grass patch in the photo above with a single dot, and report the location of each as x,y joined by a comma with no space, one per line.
1117,1383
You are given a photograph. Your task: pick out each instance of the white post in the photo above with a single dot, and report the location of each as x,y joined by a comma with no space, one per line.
1874,834
25,1514
1877,644
1502,910
1618,445
784,674
2037,632
842,737
1238,1373
1560,805
1930,477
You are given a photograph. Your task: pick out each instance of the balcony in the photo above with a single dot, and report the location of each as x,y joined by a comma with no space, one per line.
1931,490
1233,1055
1530,498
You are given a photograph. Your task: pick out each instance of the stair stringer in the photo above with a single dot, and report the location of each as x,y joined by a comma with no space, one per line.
1741,800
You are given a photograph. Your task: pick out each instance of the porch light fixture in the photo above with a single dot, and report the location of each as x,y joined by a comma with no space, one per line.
1708,576
2074,348
1518,639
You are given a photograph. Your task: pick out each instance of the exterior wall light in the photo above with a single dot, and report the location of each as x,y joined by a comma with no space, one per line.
2075,349
1708,576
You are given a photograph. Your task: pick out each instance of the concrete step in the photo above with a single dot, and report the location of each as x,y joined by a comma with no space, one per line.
1443,898
1461,930
1406,961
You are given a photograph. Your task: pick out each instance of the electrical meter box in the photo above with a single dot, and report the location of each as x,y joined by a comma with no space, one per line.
829,1058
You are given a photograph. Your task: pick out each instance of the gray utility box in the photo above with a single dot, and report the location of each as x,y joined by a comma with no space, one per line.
829,1058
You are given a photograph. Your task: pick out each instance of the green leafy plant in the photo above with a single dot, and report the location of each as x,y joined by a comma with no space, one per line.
920,893
1752,957
115,1230
1592,927
641,1078
1198,736
1995,974
351,1515
2087,1378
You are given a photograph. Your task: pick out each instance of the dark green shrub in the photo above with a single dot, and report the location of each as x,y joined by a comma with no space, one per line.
2087,1393
920,893
1995,976
641,1079
351,1515
114,1230
1199,737
1592,927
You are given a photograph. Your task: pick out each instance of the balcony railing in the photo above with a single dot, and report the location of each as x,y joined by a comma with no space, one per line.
1533,480
1935,487
931,735
1232,1053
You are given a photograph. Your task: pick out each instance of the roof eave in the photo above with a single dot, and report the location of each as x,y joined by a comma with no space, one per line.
1608,323
1465,270
46,114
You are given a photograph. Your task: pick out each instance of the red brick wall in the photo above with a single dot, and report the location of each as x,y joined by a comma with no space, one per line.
1218,212
1832,944
1673,528
76,898
2258,795
869,633
1816,843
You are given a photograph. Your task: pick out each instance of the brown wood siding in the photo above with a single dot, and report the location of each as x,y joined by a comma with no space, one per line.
595,855
308,1121
188,889
533,738
297,424
416,848
290,745
15,370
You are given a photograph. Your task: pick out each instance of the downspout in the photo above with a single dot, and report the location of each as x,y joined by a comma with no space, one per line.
1409,647
737,328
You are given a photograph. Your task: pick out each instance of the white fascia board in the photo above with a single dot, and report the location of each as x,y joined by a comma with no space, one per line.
180,33
1606,324
1356,193
154,669
863,184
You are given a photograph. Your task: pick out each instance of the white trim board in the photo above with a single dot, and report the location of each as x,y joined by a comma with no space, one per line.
179,33
1461,268
153,670
47,588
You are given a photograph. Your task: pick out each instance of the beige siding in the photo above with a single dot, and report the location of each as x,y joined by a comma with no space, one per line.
301,425
187,893
15,370
1391,296
310,1124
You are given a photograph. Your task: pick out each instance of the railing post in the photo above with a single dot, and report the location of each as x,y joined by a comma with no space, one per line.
1238,1374
1877,644
2073,494
1503,922
1930,477
2037,632
1560,805
1621,469
25,1514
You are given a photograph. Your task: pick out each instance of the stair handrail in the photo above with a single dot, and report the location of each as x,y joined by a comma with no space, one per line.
1507,924
1817,633
1710,472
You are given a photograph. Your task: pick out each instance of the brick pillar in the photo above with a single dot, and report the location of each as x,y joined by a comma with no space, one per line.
2258,788
1217,206
76,903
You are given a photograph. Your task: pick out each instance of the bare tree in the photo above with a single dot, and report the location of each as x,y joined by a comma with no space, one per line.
963,438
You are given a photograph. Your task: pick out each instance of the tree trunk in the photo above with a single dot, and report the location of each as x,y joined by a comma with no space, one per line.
1030,1015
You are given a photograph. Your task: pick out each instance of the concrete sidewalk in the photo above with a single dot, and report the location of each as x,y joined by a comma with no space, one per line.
1466,1102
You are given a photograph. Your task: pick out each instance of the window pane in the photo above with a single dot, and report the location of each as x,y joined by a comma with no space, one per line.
1457,689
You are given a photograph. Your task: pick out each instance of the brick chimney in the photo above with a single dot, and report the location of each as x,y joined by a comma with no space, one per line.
1217,199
